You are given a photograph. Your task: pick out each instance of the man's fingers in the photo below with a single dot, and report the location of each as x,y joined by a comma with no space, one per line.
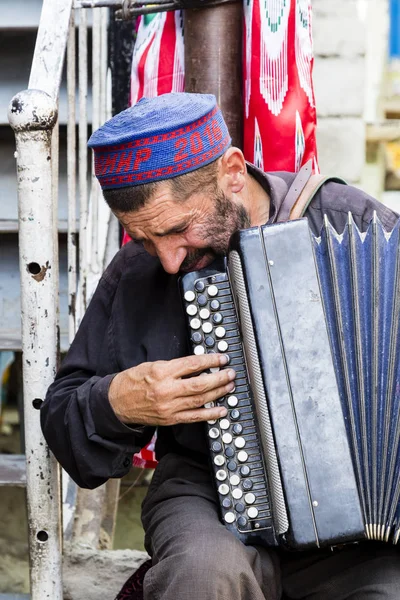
189,365
198,401
200,414
204,383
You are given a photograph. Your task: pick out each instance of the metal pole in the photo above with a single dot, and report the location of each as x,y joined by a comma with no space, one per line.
213,59
83,183
32,115
71,180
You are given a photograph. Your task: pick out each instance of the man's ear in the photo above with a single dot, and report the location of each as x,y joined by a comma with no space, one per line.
232,170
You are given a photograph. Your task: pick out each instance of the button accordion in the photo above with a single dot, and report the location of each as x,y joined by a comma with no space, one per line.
308,454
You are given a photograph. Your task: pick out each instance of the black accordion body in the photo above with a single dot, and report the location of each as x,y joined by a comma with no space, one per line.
308,454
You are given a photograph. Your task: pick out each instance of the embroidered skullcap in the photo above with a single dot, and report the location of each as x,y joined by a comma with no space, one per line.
159,138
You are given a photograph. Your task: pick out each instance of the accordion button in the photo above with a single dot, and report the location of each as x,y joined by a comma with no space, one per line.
221,475
212,291
224,424
222,346
229,517
216,447
197,337
242,456
219,460
237,428
200,286
239,507
240,442
226,502
204,313
201,300
214,304
209,341
247,484
229,452
189,296
220,332
195,323
235,414
237,493
234,480
207,327
227,438
232,401
212,422
245,470
242,521
223,489
252,512
250,498
217,318
232,465
198,350
213,432
191,310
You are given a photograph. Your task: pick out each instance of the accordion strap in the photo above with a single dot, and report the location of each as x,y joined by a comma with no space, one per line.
301,192
312,186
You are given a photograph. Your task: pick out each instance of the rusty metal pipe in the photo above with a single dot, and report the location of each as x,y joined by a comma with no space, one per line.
213,59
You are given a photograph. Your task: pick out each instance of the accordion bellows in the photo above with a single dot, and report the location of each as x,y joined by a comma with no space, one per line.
309,452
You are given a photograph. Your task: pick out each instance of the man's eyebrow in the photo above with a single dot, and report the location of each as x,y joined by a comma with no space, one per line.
175,229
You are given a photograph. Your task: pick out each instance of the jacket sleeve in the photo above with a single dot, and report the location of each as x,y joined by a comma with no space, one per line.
77,420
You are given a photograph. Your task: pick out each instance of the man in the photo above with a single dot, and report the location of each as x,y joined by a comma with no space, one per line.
180,190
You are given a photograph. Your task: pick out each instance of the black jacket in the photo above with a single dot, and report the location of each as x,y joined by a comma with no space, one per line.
134,316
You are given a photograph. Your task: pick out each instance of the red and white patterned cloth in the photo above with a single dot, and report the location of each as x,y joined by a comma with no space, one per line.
279,106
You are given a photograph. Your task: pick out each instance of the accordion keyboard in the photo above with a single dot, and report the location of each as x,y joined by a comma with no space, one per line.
235,448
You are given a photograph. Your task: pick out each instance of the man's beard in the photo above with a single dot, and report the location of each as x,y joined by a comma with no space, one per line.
228,217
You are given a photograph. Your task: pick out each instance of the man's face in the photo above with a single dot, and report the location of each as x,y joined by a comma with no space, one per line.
186,236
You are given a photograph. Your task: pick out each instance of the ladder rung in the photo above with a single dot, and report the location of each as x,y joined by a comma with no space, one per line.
12,472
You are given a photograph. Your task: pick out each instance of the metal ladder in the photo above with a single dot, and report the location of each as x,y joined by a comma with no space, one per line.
34,116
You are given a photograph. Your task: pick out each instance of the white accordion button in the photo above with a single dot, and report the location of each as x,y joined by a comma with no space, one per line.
213,433
204,314
242,456
220,332
232,401
212,291
227,439
191,310
222,346
190,296
223,489
240,442
252,512
224,424
195,323
237,493
229,517
234,480
219,460
221,475
207,327
198,350
250,498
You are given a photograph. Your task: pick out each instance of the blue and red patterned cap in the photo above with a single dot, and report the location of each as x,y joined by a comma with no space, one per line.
159,138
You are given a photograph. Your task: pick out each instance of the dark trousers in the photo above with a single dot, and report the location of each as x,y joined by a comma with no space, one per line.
196,558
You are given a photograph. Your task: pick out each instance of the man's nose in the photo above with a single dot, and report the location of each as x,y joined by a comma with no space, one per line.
170,256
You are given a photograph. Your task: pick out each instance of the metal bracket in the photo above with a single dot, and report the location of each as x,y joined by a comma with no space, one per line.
128,9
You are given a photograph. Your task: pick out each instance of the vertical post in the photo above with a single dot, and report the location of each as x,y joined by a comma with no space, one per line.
213,59
71,179
83,134
33,115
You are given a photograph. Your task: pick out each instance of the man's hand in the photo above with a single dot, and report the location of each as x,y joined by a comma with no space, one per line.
171,392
